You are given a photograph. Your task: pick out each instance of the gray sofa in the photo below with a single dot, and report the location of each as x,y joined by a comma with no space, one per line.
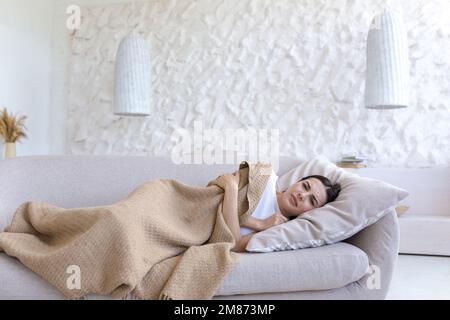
339,271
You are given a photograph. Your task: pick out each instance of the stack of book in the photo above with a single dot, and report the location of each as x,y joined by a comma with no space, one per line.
352,162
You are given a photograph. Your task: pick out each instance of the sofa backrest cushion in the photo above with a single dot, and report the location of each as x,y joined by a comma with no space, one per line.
84,181
74,181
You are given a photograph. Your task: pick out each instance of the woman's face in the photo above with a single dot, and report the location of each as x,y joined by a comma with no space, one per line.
301,197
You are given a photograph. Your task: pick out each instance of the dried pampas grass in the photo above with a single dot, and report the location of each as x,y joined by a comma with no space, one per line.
12,127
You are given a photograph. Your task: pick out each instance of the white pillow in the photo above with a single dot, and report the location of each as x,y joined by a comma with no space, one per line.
361,202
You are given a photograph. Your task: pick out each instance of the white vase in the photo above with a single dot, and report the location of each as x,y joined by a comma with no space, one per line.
10,150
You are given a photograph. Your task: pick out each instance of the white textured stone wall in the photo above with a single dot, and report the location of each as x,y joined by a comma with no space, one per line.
297,66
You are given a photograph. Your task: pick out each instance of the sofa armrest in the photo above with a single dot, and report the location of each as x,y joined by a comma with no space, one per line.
380,242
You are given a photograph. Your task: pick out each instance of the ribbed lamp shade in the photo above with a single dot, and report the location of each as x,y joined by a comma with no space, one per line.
387,77
132,92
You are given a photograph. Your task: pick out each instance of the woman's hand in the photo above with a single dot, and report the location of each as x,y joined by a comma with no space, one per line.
274,220
228,180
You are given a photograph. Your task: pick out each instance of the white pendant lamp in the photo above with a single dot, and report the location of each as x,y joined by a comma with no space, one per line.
387,77
132,89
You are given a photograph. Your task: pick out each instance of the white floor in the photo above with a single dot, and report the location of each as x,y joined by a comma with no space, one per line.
421,277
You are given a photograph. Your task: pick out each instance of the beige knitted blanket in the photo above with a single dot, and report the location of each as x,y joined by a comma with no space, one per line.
165,240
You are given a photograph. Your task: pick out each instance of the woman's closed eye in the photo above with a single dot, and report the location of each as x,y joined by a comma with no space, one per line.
307,187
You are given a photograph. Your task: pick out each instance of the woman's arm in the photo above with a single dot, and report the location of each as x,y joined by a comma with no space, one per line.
242,243
230,183
254,224
263,224
232,220
258,225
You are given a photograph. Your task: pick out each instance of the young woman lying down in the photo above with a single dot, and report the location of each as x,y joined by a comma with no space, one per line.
274,207
165,240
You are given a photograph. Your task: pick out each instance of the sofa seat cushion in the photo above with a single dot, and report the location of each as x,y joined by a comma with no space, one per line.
323,268
17,282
